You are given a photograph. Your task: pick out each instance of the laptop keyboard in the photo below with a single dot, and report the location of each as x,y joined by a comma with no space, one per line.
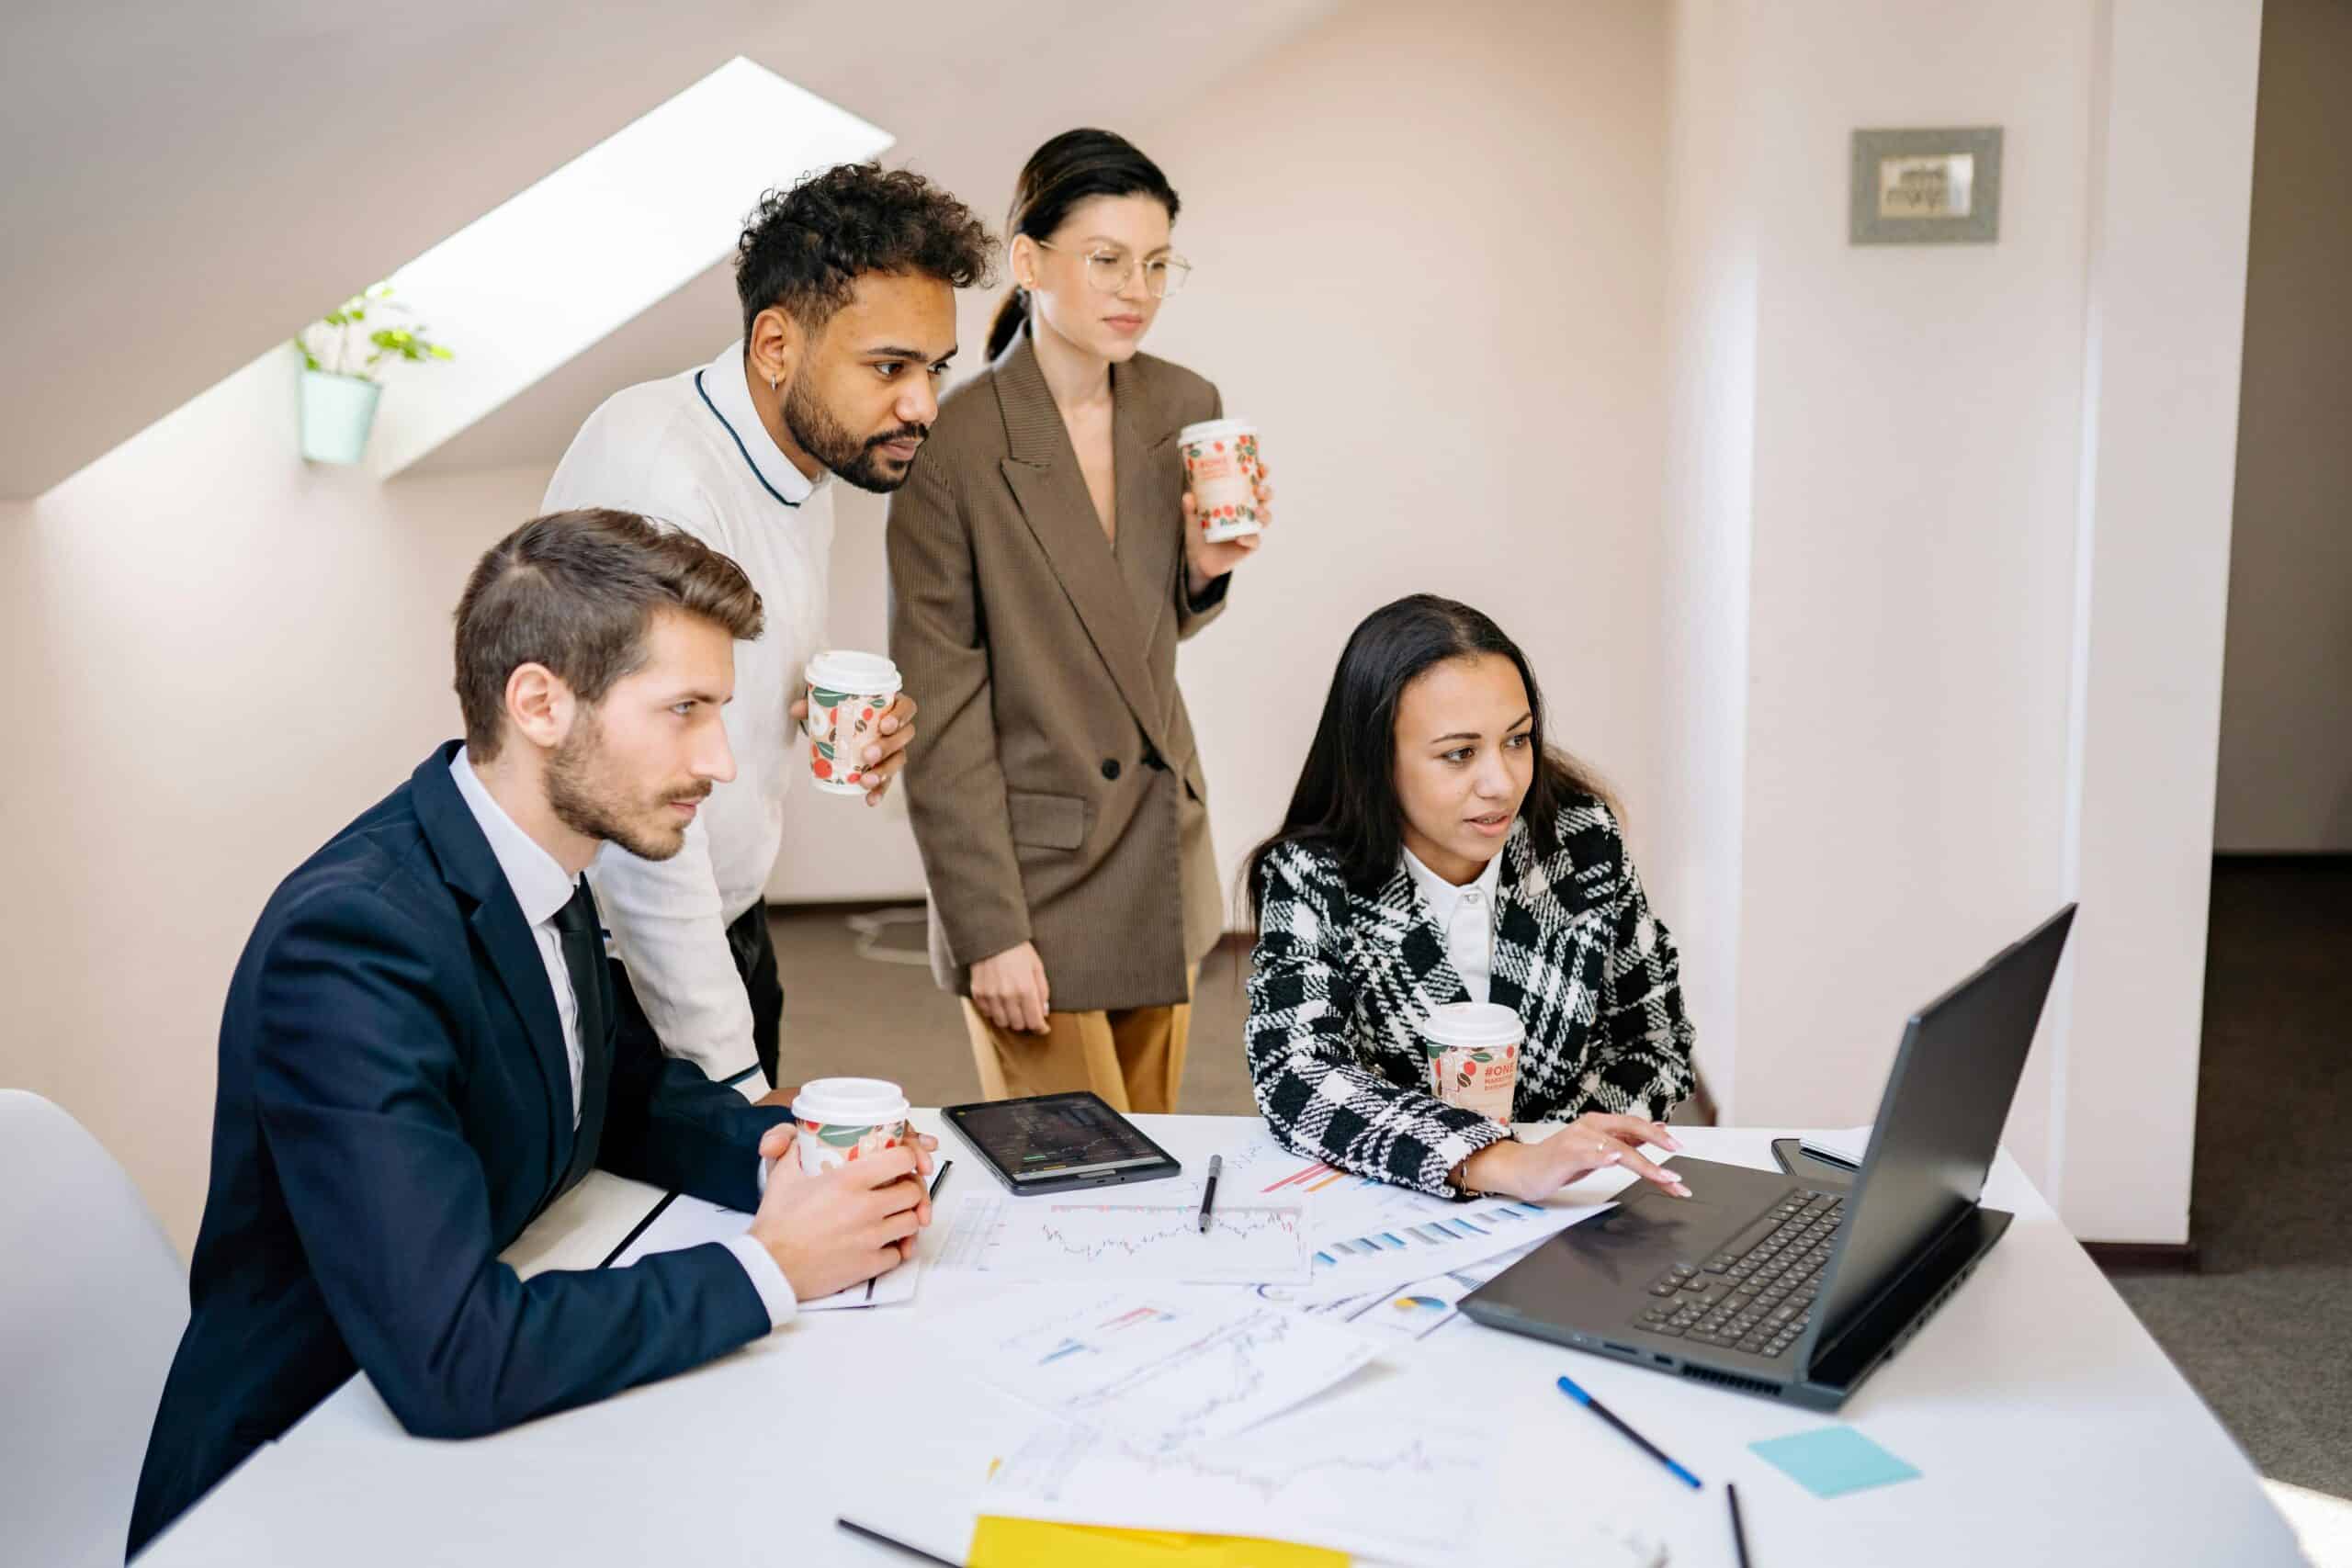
1756,1294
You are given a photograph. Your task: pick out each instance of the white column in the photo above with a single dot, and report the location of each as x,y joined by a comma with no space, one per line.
2174,122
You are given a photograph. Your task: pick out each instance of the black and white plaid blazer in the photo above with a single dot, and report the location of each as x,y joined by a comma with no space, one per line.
1342,981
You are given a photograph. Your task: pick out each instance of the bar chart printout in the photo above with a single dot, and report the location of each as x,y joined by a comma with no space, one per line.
1369,1235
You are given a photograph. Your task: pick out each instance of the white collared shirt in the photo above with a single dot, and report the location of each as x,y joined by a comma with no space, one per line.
542,888
690,451
1466,917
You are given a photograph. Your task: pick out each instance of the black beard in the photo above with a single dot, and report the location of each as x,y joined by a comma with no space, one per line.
813,427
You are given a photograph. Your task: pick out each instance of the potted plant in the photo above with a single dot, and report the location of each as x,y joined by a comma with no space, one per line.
339,395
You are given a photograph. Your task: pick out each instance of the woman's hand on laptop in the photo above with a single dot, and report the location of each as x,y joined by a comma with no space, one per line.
1594,1141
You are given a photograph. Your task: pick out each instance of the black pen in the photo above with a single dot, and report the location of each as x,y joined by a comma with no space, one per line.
1208,1193
870,1534
1738,1530
939,1176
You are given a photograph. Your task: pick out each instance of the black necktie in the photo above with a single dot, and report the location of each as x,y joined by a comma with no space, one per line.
583,958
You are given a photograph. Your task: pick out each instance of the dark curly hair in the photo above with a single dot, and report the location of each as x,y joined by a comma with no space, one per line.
803,249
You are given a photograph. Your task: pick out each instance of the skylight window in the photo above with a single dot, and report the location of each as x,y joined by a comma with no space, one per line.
530,284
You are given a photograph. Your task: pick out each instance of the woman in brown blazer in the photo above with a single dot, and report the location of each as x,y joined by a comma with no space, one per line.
1043,565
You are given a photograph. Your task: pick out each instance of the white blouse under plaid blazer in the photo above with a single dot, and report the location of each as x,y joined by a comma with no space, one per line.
1342,981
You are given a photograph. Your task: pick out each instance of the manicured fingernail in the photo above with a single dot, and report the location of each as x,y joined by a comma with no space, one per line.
1679,1190
1610,1158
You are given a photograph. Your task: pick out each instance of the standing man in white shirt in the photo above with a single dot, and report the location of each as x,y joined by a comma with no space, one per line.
848,286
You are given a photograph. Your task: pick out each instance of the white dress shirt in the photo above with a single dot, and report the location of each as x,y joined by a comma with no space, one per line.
1465,915
690,451
542,887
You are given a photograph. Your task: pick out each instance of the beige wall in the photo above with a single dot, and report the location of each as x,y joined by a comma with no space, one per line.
230,654
2285,776
1445,308
223,654
1806,587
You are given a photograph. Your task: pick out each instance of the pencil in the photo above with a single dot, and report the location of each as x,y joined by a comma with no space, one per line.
1585,1399
1738,1530
1208,1193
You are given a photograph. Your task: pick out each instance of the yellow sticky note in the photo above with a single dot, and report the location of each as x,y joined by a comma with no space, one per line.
1039,1543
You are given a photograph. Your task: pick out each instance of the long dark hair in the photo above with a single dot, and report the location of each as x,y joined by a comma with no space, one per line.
1075,166
1346,799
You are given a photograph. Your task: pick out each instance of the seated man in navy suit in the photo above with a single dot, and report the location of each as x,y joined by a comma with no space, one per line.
418,1053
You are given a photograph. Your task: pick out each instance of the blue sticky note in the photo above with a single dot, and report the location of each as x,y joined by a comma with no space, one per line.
1833,1460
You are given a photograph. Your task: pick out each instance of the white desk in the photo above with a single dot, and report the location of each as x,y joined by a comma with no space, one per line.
2049,1427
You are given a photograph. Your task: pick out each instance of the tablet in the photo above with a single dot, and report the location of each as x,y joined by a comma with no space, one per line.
1051,1142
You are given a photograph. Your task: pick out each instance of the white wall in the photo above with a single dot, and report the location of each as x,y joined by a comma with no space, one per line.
2286,778
1449,322
1427,264
1795,545
225,656
1899,741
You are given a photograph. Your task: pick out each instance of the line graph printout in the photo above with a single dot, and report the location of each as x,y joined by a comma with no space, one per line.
1036,1238
1407,1488
1159,1371
1386,1484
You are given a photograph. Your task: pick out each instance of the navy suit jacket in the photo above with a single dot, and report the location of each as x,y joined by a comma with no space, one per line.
394,1107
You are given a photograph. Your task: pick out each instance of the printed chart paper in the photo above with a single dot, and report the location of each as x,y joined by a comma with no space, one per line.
1162,1372
1376,1470
1369,1235
1037,1238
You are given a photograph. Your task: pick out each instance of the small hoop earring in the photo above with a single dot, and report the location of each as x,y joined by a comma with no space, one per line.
771,383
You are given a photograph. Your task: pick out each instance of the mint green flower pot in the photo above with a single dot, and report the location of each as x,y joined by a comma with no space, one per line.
337,413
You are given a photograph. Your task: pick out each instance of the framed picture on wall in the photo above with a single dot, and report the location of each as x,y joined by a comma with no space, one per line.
1926,188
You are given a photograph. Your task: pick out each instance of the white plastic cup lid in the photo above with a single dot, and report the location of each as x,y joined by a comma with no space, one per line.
850,1102
1470,1025
855,674
1214,429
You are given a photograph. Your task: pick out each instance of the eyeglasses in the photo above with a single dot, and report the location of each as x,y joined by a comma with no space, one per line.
1107,270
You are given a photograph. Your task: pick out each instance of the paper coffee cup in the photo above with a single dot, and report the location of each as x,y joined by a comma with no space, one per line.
841,1120
1222,467
848,694
1473,1053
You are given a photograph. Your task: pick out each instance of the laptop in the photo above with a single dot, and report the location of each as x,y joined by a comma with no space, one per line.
1797,1288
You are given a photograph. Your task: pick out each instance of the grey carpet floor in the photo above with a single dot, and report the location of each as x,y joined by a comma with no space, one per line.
2264,1331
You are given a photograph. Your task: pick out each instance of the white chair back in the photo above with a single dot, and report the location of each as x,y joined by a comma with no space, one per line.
92,1304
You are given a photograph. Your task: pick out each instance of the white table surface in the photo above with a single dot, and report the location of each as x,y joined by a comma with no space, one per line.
2048,1426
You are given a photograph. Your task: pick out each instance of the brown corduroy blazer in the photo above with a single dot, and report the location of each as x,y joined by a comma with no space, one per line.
1057,795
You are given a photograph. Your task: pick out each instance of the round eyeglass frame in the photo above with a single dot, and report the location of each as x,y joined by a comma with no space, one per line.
1172,280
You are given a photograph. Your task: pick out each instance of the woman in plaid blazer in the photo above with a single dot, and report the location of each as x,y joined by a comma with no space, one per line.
1428,787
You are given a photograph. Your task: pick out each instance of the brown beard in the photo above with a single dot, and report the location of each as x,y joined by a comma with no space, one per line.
584,800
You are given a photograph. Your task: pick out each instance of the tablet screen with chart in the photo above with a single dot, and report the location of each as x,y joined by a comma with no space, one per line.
1052,1142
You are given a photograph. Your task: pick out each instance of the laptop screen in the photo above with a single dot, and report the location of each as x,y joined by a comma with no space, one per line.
1940,1121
